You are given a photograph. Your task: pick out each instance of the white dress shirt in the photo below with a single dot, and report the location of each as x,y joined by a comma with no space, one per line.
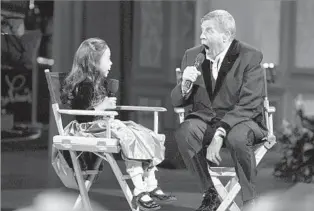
216,64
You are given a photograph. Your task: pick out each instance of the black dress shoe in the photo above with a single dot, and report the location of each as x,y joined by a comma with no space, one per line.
161,197
145,205
210,201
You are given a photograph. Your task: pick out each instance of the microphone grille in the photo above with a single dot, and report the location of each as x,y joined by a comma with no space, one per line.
113,85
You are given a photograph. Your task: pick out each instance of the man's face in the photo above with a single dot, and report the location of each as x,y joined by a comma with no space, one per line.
211,36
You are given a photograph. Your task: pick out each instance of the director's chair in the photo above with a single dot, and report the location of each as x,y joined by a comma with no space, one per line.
104,148
228,193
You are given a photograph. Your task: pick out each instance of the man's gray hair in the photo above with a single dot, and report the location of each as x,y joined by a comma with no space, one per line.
225,21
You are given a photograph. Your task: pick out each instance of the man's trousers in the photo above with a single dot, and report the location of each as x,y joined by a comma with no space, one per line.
194,135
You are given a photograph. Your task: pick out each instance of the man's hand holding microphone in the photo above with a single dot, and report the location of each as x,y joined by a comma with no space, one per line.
190,74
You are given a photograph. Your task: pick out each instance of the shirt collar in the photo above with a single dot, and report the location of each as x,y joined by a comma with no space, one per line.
220,56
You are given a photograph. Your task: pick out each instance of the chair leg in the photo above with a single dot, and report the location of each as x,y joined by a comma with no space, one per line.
227,198
231,184
230,197
124,185
80,181
88,184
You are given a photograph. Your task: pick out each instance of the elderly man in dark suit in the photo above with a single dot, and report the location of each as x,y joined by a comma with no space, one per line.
227,96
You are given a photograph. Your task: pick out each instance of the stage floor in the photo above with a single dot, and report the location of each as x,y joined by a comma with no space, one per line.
24,174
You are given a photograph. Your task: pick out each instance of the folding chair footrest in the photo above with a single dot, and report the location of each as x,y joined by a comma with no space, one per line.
90,172
222,171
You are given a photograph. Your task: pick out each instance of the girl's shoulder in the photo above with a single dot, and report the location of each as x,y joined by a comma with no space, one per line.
85,87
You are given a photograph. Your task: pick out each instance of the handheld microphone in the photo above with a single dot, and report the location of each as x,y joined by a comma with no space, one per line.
198,62
113,87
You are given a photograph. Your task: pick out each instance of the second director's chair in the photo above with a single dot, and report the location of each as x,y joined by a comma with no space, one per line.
228,193
104,148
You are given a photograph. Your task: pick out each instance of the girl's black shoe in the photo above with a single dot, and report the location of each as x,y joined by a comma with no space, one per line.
145,205
161,197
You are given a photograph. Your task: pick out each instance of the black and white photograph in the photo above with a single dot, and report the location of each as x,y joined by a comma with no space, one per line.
145,105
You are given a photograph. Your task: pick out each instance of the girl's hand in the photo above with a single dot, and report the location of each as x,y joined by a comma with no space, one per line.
107,103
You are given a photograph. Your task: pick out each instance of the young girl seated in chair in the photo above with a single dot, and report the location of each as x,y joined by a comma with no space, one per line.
85,87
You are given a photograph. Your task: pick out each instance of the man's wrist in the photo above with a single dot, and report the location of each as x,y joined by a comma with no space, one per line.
224,125
221,132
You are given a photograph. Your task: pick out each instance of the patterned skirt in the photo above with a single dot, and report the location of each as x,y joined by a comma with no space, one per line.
137,142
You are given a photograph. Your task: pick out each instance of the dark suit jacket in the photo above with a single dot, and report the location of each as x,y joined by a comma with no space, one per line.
239,89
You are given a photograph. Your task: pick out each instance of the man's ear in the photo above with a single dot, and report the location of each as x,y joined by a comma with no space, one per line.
226,36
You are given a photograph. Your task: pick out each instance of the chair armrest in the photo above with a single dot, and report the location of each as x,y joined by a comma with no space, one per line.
144,108
179,110
87,112
141,108
271,109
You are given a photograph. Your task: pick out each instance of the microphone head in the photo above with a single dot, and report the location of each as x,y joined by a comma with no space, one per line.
199,59
113,87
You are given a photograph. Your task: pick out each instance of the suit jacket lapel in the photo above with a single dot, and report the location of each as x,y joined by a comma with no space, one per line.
206,72
206,67
226,65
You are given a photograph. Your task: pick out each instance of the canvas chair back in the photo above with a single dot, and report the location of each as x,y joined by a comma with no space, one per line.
59,162
55,82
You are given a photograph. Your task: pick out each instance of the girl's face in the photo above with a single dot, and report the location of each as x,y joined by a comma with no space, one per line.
105,62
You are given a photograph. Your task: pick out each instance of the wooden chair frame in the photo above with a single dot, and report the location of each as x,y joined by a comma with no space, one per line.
229,192
104,148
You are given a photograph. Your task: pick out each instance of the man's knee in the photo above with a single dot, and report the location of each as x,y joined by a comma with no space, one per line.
185,129
239,137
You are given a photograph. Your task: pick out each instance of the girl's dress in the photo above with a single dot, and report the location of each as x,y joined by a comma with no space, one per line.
136,141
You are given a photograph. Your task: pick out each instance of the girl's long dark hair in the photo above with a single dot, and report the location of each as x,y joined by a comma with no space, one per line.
86,68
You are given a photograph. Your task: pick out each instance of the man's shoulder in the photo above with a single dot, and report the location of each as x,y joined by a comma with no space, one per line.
247,48
249,53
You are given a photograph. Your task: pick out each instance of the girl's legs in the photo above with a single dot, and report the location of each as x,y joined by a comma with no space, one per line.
142,197
150,179
135,170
